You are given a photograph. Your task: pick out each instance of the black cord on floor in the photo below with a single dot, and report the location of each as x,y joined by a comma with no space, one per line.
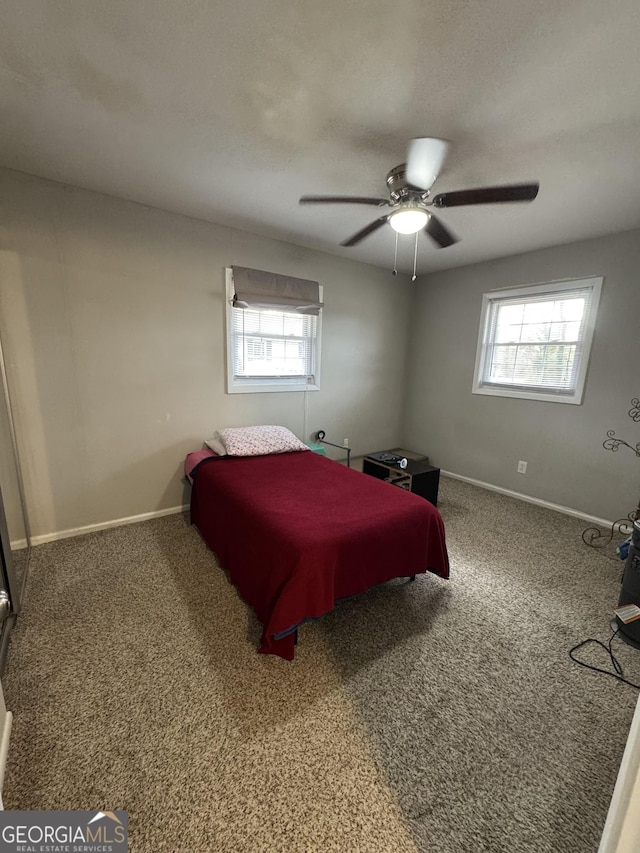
619,674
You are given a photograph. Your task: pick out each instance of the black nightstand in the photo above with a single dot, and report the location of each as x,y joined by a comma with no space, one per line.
418,477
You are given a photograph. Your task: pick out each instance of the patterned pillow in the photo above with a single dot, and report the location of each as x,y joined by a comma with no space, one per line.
259,440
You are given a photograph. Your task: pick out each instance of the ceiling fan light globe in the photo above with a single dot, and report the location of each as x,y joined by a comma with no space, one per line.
408,221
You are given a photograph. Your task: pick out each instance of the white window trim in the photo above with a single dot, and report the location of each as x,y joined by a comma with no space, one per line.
258,386
595,283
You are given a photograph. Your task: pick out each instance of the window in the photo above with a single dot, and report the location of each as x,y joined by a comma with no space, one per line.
269,349
534,341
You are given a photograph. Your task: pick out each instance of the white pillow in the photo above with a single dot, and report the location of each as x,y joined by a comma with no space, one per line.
259,440
216,445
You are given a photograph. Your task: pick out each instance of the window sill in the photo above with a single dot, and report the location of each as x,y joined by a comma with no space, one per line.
573,400
270,388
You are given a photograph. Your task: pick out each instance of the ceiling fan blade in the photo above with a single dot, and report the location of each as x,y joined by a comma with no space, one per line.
342,199
439,233
424,160
488,195
369,229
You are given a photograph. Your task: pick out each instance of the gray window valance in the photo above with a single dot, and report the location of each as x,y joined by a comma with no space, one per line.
260,289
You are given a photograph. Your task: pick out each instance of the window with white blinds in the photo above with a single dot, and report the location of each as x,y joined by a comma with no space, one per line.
535,341
270,349
273,344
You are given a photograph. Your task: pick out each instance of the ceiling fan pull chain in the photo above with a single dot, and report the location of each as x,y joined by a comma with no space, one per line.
395,257
415,259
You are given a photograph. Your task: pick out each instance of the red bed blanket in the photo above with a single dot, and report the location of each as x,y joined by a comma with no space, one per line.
297,531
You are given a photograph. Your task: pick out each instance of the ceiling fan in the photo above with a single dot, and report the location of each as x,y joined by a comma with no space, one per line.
407,209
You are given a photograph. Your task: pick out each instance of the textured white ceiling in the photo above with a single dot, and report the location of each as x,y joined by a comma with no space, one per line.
229,111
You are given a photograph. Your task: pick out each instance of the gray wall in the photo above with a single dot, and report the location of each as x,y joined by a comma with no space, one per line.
484,437
112,321
111,316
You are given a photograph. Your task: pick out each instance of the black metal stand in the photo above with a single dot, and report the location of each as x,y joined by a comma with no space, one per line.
623,526
594,537
320,436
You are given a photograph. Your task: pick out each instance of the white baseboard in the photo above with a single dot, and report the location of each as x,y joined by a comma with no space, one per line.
566,510
105,525
145,516
621,832
4,744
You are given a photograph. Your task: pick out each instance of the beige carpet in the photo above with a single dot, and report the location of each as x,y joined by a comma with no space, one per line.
434,716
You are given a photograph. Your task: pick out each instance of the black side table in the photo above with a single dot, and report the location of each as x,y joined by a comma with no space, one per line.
418,477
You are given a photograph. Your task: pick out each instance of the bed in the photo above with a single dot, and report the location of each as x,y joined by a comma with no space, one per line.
297,531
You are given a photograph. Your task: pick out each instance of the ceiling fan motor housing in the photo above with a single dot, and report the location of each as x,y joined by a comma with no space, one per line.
400,189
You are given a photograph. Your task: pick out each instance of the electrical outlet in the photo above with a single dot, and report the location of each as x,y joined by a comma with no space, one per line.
522,467
345,442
